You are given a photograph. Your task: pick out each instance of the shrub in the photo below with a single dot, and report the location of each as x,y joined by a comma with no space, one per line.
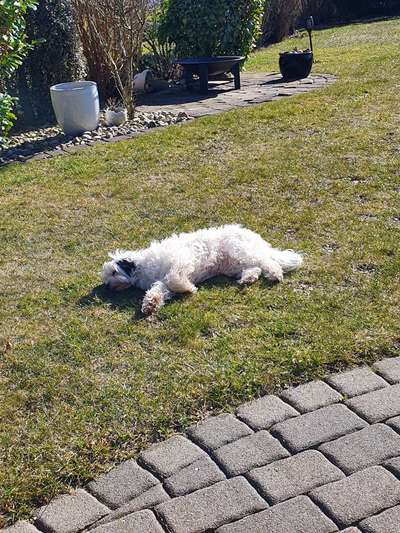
13,47
161,53
54,59
204,28
112,38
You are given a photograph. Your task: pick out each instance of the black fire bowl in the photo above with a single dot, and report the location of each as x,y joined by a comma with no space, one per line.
296,66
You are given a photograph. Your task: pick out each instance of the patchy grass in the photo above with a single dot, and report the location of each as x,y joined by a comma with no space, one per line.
86,383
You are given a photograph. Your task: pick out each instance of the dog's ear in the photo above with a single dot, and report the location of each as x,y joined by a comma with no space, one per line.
126,266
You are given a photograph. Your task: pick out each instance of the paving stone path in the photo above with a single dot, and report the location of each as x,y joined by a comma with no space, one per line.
318,458
257,88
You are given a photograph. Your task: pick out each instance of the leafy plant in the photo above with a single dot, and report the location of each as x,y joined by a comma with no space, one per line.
204,28
13,47
54,59
161,53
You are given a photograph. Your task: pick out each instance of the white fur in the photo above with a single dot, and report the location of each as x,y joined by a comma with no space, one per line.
177,264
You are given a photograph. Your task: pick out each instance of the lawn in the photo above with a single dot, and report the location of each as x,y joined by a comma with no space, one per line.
85,382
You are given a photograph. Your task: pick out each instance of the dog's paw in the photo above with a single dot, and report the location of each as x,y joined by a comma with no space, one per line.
152,304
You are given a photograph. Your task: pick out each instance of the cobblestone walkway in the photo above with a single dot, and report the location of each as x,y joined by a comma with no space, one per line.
319,458
257,88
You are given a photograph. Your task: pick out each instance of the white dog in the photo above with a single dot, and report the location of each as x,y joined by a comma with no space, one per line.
179,263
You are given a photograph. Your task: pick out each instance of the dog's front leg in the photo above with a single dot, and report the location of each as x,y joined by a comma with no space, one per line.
249,276
155,298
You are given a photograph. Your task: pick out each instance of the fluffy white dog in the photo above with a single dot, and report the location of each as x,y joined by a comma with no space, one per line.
177,264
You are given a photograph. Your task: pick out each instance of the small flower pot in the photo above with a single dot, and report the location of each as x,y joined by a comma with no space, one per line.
296,65
76,106
116,117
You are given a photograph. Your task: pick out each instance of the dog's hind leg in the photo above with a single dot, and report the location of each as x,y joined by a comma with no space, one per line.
249,276
155,298
271,269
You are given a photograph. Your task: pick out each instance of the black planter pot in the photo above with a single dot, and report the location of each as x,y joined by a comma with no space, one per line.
295,66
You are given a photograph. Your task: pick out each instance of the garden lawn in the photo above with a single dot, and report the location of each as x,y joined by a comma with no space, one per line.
85,382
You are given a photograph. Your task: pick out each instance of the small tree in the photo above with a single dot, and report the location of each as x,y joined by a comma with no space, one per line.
13,47
112,38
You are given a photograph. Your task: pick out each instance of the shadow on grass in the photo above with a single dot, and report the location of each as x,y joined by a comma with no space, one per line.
131,299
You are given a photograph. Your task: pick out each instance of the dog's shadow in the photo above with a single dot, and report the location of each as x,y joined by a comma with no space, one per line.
131,299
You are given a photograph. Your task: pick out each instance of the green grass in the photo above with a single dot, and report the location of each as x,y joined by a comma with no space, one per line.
85,382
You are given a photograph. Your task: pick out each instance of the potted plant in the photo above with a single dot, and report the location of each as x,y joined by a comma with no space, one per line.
297,64
76,105
116,114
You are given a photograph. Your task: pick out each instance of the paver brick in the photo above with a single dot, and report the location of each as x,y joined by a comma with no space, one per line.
249,452
311,429
265,412
394,423
393,465
122,484
147,500
311,396
217,431
209,508
368,447
202,473
350,530
141,522
379,405
359,496
389,369
294,476
299,515
21,527
386,522
356,382
70,513
166,458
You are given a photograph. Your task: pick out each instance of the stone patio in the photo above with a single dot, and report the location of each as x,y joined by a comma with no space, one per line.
318,458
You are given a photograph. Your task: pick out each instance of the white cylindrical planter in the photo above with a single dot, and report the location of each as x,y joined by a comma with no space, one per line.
76,106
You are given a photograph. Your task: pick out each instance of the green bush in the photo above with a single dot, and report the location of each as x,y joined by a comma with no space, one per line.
210,28
13,47
54,59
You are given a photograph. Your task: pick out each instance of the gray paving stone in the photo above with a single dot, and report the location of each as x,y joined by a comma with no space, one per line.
147,500
21,527
299,515
122,484
368,447
386,522
311,396
166,458
249,452
359,496
217,431
212,507
394,423
311,429
200,474
70,513
265,412
141,522
379,405
356,382
389,369
393,465
350,530
294,476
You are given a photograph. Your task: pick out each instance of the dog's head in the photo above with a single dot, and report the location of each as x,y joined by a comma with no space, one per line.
119,273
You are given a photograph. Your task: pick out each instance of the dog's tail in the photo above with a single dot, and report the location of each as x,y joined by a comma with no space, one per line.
288,259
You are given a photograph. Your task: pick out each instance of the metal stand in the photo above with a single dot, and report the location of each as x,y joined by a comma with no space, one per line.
236,73
203,75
